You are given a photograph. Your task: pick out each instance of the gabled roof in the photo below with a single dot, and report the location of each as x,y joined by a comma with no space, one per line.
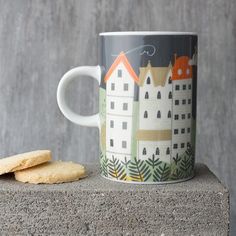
159,74
182,69
121,58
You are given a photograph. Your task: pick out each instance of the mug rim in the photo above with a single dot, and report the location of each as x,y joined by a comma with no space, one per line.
123,33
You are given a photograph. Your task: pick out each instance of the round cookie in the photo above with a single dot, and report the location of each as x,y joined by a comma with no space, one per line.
51,173
23,161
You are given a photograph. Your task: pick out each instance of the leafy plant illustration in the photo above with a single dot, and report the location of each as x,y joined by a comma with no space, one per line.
176,159
153,162
161,173
104,165
185,165
116,169
177,174
139,170
125,162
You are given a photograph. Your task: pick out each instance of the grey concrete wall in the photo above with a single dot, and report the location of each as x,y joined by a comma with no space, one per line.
41,40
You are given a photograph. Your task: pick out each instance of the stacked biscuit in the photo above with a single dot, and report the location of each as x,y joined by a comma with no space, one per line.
36,167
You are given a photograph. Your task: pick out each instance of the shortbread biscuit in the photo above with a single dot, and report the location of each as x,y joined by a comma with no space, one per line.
24,160
51,173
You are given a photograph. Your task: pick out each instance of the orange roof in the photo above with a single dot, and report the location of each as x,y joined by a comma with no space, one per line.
121,58
182,69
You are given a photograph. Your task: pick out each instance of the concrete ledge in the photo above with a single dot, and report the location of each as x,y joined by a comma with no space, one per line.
96,206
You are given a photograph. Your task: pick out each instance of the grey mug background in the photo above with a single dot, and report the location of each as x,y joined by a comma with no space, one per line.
41,40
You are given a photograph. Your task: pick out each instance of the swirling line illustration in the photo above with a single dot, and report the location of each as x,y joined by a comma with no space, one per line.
145,51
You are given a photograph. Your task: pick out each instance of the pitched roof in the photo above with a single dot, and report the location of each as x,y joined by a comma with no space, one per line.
153,135
182,68
159,74
121,58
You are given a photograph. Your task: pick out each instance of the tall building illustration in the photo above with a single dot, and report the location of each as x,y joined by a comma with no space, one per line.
182,105
155,113
120,82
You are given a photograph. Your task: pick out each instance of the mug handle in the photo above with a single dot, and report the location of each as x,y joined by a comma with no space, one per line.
91,71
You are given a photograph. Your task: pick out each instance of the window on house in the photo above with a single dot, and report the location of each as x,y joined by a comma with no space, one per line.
170,95
169,80
124,144
146,95
119,73
182,145
148,80
183,131
189,86
183,116
112,105
124,125
168,151
189,101
184,101
112,123
188,130
157,151
189,115
176,117
159,95
176,131
112,86
144,151
126,87
184,86
111,143
176,102
175,146
188,144
159,114
177,87
169,114
125,106
145,114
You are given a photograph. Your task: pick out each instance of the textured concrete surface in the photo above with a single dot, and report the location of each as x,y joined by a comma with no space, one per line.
41,40
96,206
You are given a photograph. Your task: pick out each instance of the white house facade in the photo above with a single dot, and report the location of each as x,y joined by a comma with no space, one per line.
120,81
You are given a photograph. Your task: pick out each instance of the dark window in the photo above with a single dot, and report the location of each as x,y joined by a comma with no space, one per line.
124,144
125,106
183,116
183,131
157,151
182,145
112,105
189,115
112,123
184,86
170,80
176,87
119,73
145,114
189,86
188,145
146,95
169,114
188,130
148,80
175,146
111,143
124,125
176,102
144,151
168,151
170,95
126,87
112,86
159,95
189,101
176,131
176,117
183,101
159,114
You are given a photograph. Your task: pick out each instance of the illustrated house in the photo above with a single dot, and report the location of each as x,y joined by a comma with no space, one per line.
155,112
182,103
120,83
